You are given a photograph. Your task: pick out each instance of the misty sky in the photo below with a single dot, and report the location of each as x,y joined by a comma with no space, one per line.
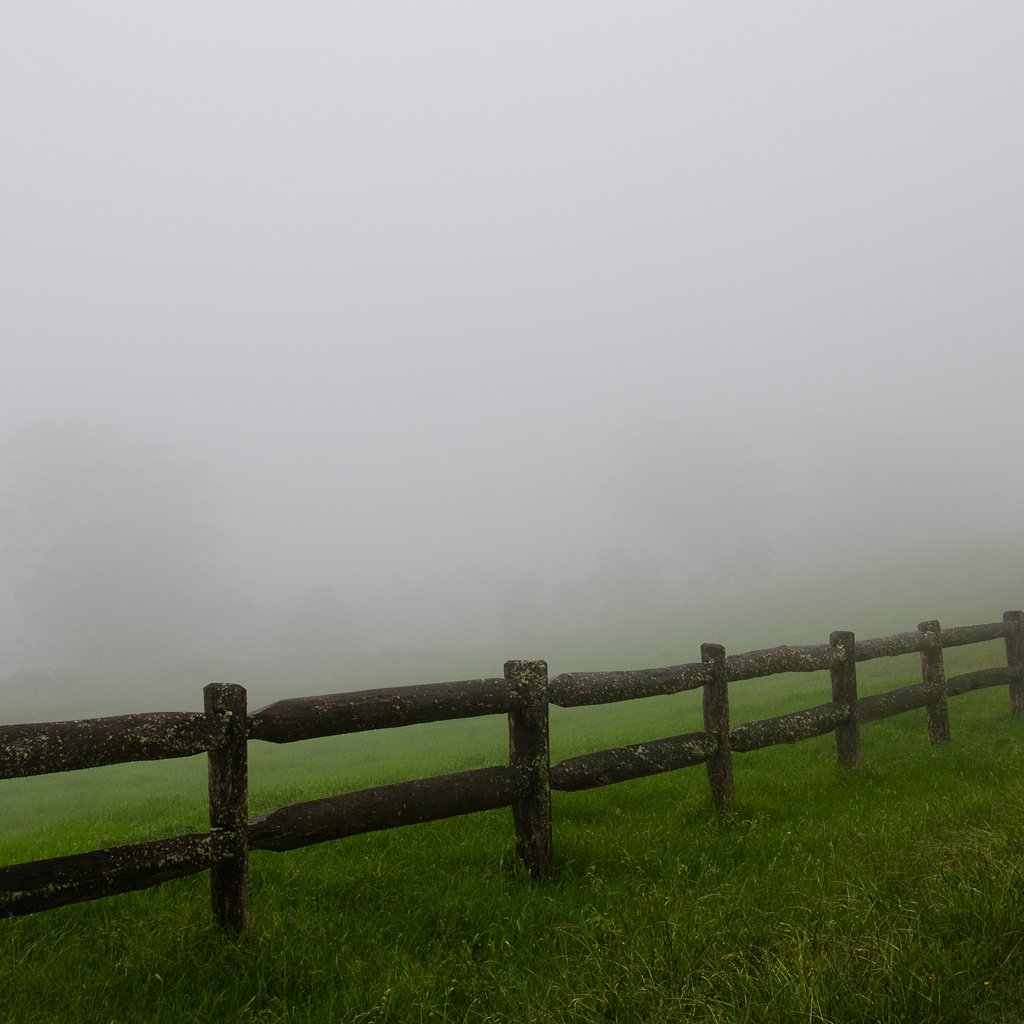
523,319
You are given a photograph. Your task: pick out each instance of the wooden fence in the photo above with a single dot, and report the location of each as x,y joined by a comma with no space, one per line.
224,728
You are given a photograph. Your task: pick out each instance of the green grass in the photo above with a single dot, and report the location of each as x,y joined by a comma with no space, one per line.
892,893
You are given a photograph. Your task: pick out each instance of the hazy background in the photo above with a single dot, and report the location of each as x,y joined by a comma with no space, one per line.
346,344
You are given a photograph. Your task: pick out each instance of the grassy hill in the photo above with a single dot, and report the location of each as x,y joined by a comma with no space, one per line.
892,893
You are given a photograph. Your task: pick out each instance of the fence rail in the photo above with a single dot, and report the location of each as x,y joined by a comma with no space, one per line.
224,729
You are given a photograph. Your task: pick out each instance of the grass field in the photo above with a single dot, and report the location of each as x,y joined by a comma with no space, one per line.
892,893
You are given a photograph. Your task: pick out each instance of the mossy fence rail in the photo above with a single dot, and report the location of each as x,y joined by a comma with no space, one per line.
222,731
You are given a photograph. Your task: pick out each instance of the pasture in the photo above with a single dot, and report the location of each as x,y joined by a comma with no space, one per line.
890,893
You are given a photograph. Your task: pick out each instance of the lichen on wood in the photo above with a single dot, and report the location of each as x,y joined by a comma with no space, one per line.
331,714
229,804
582,689
45,884
893,702
47,747
1015,659
773,660
958,636
716,723
844,692
791,728
933,675
619,764
384,807
966,682
889,646
529,753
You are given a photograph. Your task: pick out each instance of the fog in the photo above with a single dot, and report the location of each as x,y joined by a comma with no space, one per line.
347,344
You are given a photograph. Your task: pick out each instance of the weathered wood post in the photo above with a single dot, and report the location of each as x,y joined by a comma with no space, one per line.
716,722
229,804
933,674
844,691
528,750
1015,659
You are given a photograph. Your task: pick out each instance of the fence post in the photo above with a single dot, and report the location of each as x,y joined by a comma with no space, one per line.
933,675
528,749
844,691
716,722
1015,659
229,804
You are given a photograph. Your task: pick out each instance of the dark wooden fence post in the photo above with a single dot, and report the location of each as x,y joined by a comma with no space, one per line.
933,675
844,691
716,722
528,749
1015,659
229,804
